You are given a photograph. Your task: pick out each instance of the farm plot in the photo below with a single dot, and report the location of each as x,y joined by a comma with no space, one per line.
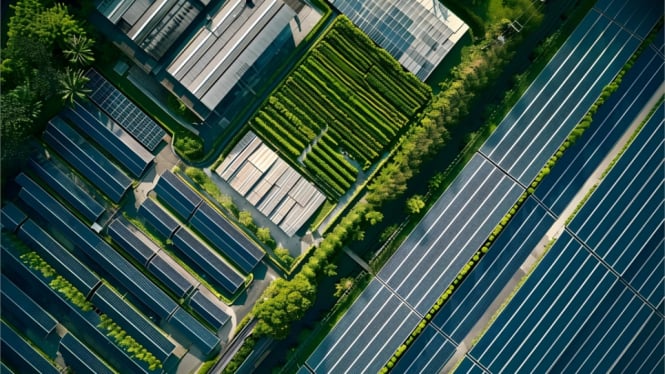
341,108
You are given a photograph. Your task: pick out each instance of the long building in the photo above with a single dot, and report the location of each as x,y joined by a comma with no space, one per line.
419,34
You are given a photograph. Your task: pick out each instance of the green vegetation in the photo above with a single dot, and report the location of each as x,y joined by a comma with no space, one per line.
284,256
45,53
575,134
347,101
76,297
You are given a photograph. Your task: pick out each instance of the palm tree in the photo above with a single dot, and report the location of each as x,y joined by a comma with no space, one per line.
72,85
80,50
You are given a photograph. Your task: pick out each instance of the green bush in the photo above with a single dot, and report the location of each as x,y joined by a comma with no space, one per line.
188,146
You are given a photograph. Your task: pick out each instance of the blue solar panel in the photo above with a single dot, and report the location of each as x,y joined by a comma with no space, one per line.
427,354
12,217
158,218
71,317
132,240
23,312
208,261
177,194
194,332
57,256
68,189
136,325
87,159
225,237
112,138
124,111
107,259
20,356
171,274
81,359
210,309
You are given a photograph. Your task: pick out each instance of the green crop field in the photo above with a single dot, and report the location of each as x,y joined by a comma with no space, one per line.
341,107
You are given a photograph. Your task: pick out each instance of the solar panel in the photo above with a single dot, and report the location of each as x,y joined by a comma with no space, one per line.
210,309
226,238
136,325
194,332
158,218
23,312
111,137
107,259
70,191
177,194
19,355
75,322
57,256
87,159
132,240
11,217
208,261
171,274
79,358
124,111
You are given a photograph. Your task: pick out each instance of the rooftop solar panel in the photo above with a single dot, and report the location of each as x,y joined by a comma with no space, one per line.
177,194
23,312
107,259
204,257
87,159
124,111
158,218
132,240
111,137
81,359
75,321
68,189
21,356
171,274
57,256
193,331
136,325
12,217
208,308
226,238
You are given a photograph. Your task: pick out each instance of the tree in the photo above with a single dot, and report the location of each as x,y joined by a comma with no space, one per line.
263,233
245,218
343,286
79,50
414,204
73,86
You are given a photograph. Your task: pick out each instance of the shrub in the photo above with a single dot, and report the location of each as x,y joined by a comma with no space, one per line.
189,146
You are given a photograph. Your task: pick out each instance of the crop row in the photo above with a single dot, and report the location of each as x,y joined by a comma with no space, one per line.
352,92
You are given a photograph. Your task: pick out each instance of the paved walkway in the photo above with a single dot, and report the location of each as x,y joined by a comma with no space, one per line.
552,234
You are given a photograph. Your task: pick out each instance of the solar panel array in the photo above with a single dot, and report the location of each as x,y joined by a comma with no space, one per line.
225,237
270,184
134,242
12,217
87,159
68,189
23,312
55,304
169,272
124,111
474,204
136,325
58,257
158,218
109,261
111,137
193,331
177,195
81,359
19,355
208,261
209,308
